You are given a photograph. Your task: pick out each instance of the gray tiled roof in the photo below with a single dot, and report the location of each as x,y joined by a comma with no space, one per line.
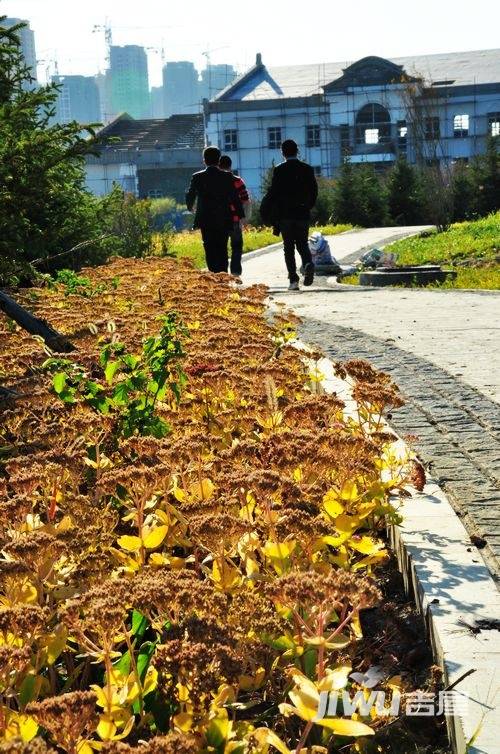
178,131
275,82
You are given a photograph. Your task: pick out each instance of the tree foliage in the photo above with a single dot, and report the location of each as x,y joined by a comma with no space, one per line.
485,175
44,207
48,219
359,196
405,195
437,194
322,211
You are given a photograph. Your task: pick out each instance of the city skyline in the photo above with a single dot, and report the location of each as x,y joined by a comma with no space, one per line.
66,33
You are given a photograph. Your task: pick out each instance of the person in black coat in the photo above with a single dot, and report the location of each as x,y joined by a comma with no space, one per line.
215,195
287,206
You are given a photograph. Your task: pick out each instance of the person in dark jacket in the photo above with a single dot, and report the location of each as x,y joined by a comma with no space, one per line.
216,200
287,206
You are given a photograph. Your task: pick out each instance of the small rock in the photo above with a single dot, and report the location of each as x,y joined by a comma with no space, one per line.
480,542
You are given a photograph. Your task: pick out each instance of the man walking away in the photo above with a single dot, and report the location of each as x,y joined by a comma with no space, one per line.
214,193
225,163
288,204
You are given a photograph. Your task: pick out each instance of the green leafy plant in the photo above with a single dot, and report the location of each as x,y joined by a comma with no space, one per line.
133,385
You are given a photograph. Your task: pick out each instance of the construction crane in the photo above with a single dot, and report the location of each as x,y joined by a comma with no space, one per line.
50,64
207,54
108,36
160,51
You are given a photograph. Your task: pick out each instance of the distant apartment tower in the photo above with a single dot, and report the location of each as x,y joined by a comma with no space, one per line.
215,78
129,85
180,88
157,102
103,83
27,37
78,99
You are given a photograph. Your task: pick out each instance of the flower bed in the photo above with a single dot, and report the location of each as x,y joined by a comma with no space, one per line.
192,540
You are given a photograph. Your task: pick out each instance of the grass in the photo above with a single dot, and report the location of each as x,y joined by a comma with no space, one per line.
189,243
479,240
472,249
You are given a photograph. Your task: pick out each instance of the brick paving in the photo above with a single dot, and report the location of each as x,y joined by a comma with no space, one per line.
441,348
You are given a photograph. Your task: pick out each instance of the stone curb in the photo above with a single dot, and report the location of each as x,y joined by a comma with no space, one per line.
452,589
479,291
262,251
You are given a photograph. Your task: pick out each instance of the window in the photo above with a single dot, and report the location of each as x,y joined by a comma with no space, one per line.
230,140
402,131
494,124
460,126
317,170
373,125
155,194
274,137
313,136
432,130
345,139
371,135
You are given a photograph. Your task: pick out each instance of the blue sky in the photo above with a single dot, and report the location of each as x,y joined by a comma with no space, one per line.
285,32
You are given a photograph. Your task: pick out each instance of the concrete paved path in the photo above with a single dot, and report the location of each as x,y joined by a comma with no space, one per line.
442,349
457,330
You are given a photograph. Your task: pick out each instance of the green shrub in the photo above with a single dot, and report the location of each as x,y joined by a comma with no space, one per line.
359,196
405,195
322,212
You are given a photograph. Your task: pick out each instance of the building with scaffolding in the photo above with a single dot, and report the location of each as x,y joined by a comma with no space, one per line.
78,99
434,109
149,158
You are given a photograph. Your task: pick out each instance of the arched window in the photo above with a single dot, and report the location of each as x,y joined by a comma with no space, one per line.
373,125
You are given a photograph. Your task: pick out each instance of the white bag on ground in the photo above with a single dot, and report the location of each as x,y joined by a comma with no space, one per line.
320,249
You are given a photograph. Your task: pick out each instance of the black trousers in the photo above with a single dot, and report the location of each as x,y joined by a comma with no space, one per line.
295,236
215,244
236,249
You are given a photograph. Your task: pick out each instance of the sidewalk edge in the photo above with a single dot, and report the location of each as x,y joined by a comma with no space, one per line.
452,588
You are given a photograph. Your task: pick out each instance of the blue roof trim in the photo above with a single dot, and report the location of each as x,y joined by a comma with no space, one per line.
229,91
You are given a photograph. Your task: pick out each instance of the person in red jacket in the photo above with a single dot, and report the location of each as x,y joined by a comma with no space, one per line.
226,163
217,201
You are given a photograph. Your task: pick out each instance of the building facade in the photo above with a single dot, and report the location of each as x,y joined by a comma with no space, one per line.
27,37
434,109
180,88
214,78
128,81
149,158
78,99
157,102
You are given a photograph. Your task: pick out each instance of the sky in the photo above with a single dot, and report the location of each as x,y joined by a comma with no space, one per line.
285,32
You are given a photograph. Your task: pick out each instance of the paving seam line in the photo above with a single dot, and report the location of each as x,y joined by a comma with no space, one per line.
450,587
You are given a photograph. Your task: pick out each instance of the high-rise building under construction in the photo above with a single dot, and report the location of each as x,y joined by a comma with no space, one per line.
129,86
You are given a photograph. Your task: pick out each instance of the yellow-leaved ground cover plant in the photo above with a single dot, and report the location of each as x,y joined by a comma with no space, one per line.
190,529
